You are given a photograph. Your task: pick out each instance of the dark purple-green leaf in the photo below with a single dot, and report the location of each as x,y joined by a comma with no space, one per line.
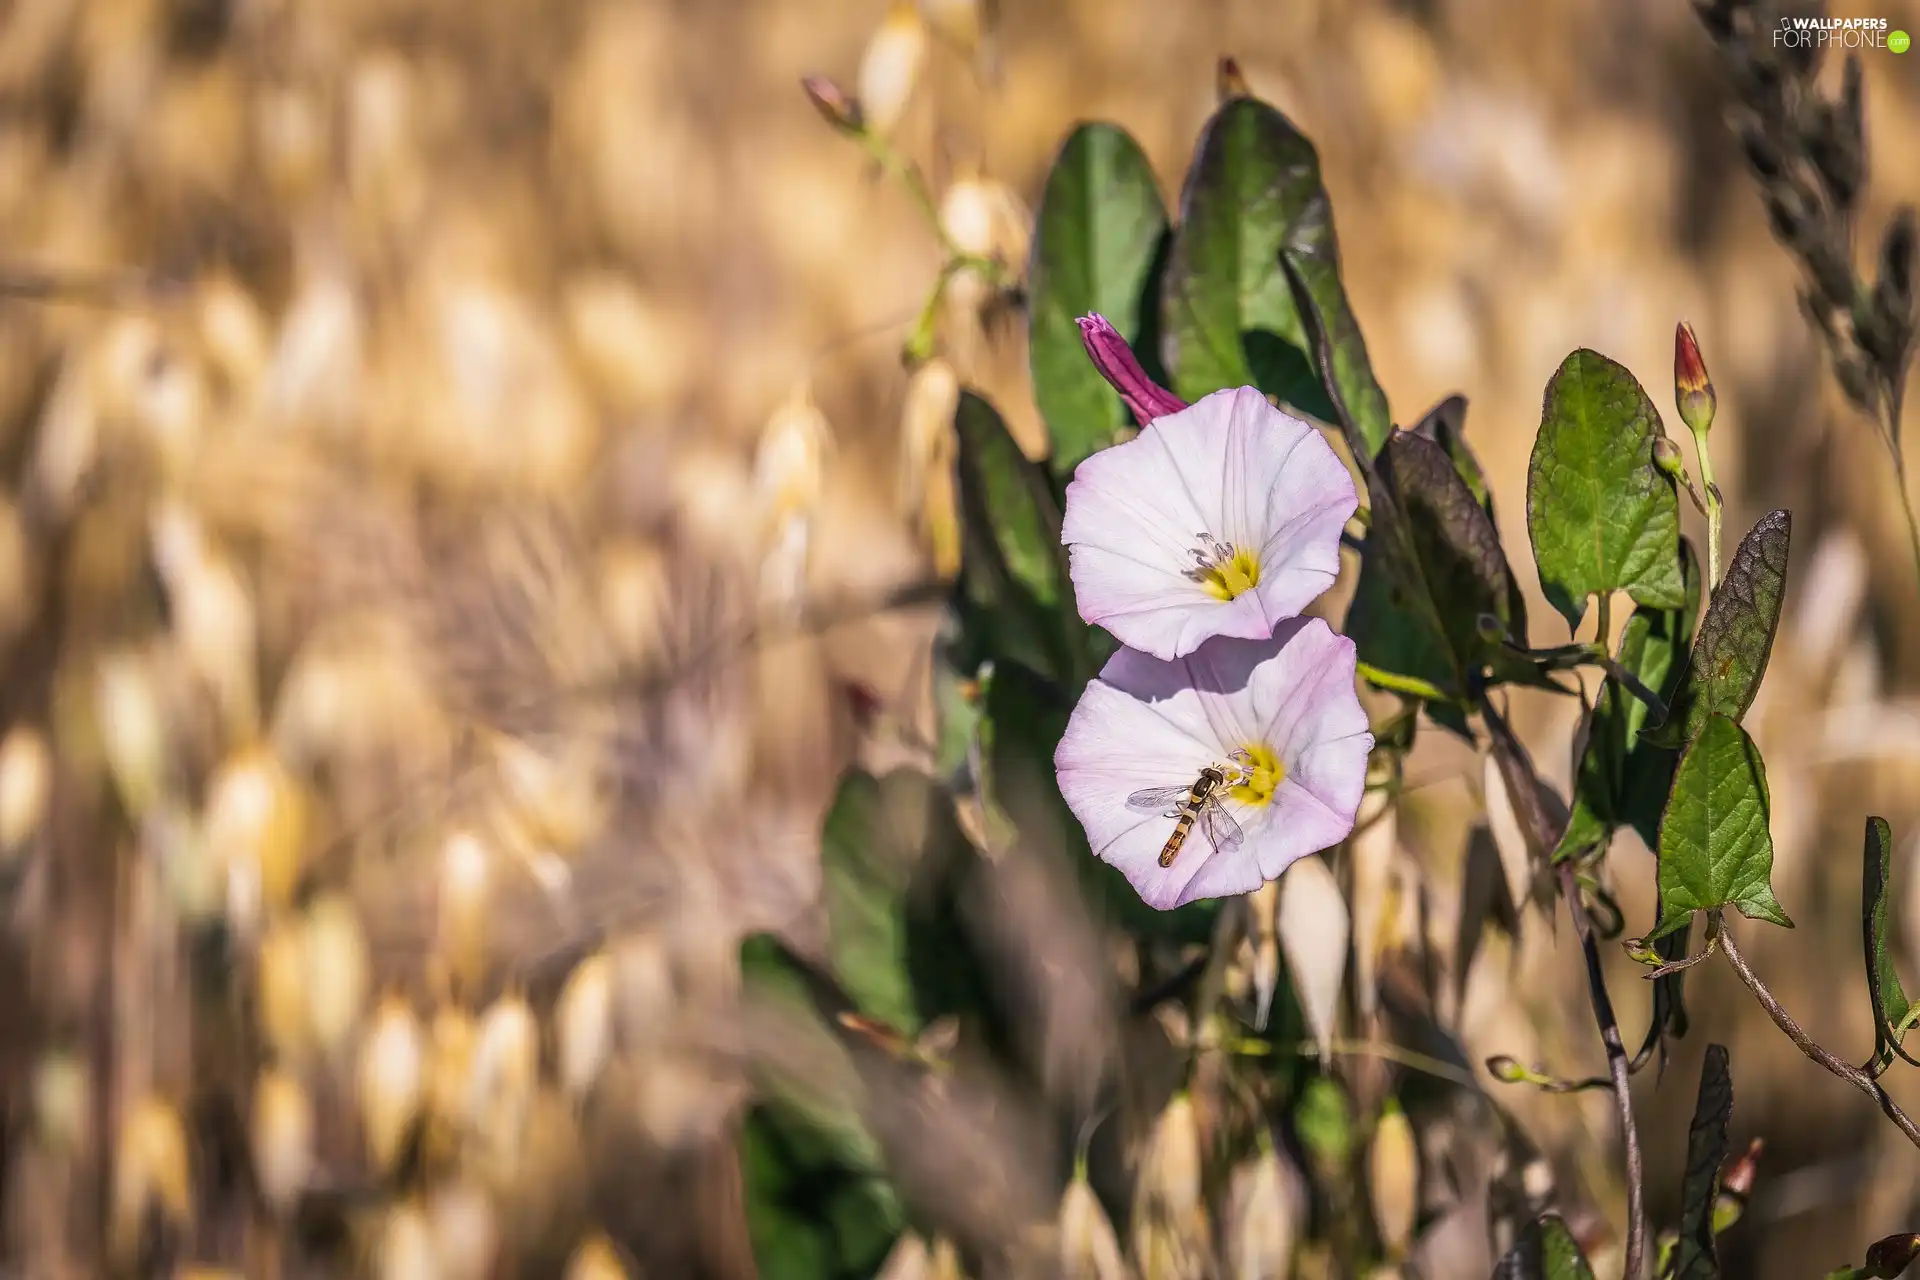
1694,1254
1312,265
1736,640
1433,565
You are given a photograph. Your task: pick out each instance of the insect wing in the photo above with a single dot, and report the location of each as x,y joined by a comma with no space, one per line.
1224,833
1154,799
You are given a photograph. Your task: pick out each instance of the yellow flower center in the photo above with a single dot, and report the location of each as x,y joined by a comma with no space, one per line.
1224,569
1261,774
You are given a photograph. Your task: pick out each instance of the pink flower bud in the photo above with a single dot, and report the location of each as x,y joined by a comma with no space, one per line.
835,105
1118,365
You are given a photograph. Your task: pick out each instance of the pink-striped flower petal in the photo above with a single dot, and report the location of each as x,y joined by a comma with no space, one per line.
1222,519
1279,715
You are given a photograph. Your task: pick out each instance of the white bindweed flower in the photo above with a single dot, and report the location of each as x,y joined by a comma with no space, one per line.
1273,725
1221,519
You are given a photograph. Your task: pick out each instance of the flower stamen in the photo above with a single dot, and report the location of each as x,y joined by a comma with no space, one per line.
1222,568
1258,774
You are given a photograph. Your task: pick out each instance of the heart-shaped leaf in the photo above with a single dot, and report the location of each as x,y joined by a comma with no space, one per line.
1445,424
1730,657
1694,1254
1229,313
1891,1008
1100,229
1601,516
1716,849
1433,566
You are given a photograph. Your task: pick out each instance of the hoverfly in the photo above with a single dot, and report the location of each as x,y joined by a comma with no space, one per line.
1198,801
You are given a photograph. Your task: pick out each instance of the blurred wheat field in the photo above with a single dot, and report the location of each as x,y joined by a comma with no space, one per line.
418,679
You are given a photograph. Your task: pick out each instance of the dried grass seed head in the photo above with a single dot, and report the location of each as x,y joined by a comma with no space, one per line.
391,1080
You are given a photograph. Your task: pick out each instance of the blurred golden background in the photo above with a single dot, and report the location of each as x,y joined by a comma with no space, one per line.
416,411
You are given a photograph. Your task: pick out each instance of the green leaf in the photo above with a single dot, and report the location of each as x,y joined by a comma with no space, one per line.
809,1220
1730,657
1010,496
1891,1008
1312,263
817,1131
1546,1250
1288,374
1650,766
865,853
1694,1254
891,856
1433,565
1602,518
1015,597
1229,315
864,1218
808,1159
1621,780
786,1246
1715,846
1101,224
1445,424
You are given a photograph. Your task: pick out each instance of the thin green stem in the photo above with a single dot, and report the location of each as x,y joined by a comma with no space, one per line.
1603,631
1412,1059
1712,491
892,162
919,344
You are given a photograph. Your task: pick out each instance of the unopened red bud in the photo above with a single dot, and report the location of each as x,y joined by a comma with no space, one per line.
1692,388
835,105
